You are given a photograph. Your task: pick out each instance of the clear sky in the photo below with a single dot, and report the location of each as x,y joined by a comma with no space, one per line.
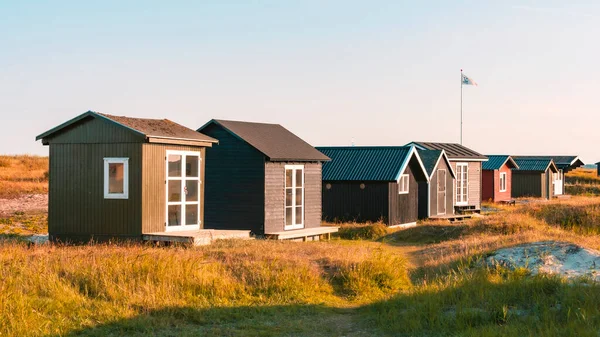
378,72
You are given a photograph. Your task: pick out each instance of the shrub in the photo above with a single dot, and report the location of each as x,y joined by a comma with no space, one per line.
375,277
363,232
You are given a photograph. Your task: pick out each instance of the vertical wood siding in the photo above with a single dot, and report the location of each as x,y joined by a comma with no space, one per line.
488,185
235,183
527,184
403,207
154,187
77,208
96,131
474,183
502,196
345,201
274,208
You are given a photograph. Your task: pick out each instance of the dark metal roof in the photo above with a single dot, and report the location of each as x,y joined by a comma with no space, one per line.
365,163
150,128
565,163
495,162
453,151
429,159
533,164
273,140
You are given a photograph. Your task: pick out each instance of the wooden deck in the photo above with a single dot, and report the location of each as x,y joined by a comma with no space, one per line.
453,217
306,234
196,237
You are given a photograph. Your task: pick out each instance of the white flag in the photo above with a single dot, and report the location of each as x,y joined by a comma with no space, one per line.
467,81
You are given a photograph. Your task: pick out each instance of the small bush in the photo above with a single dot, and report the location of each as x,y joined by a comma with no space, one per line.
375,277
364,232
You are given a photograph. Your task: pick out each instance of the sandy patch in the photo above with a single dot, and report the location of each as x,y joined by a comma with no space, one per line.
28,203
550,257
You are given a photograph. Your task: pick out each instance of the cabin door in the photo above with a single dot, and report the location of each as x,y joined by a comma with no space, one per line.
441,192
558,182
183,190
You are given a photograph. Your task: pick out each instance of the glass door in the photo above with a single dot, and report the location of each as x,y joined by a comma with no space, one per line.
183,190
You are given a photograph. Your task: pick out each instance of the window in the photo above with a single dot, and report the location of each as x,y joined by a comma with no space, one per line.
403,184
183,190
462,183
502,181
116,178
294,196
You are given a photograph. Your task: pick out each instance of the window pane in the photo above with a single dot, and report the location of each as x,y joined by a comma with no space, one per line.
115,177
174,215
299,174
288,197
174,190
191,166
191,214
288,178
298,196
298,215
174,165
191,190
288,216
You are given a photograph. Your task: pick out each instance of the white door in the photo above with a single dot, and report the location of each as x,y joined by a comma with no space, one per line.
183,190
558,182
462,183
294,197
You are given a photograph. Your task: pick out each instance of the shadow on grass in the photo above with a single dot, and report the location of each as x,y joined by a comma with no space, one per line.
429,234
479,303
288,320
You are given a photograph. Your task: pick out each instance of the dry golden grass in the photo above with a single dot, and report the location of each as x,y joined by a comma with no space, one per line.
20,175
60,290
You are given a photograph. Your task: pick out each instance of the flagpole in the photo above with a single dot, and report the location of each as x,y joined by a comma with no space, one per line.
461,111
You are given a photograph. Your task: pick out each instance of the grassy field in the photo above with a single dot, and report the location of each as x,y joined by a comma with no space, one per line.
423,281
429,280
21,175
582,181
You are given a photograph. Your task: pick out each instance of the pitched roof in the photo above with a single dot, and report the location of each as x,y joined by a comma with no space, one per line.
565,163
495,162
150,128
273,140
366,163
533,164
453,151
429,159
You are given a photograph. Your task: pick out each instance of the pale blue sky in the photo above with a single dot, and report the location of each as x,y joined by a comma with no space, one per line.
381,72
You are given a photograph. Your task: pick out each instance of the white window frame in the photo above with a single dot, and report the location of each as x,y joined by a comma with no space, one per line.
295,224
125,194
503,177
183,203
403,184
459,181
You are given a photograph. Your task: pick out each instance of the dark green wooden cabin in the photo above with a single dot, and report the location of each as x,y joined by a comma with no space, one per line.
534,177
373,183
117,177
262,177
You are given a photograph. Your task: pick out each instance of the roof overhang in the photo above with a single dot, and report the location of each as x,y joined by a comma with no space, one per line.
467,159
552,167
179,141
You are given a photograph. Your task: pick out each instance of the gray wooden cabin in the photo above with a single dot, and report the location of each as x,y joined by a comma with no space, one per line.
372,183
534,178
436,196
263,178
115,177
466,164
